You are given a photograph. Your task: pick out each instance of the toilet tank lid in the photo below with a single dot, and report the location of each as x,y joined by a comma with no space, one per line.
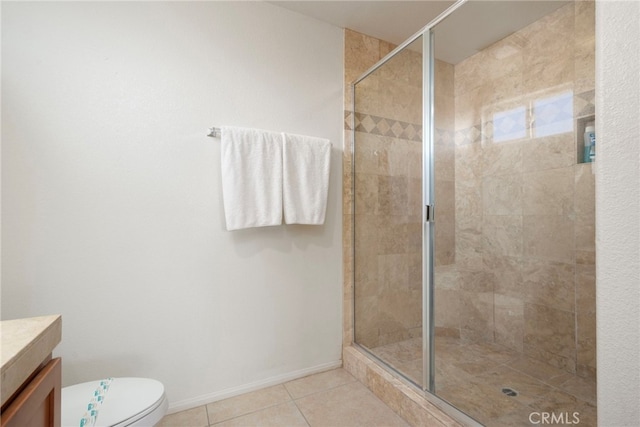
126,400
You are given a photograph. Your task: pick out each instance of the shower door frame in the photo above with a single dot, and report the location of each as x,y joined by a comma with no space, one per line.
428,207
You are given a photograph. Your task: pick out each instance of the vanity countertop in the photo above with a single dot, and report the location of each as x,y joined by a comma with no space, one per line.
24,345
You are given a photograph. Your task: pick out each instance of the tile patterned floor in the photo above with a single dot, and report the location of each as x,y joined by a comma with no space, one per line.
471,377
332,399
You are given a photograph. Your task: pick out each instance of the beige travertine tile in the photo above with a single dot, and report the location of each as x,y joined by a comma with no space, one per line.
247,403
347,405
318,382
548,192
445,239
585,188
469,241
502,235
509,321
549,329
504,158
477,314
505,273
284,414
585,232
549,283
447,309
549,152
196,417
360,53
549,237
502,195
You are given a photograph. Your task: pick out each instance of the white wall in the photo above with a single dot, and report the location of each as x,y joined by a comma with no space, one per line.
618,211
112,212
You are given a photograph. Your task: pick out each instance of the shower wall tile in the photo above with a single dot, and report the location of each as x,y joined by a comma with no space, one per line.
502,235
502,195
585,234
549,152
549,192
445,163
371,156
550,330
549,283
392,195
360,53
444,95
393,272
366,274
585,66
447,311
502,158
585,46
468,184
474,280
549,237
586,321
366,193
506,274
366,313
548,61
509,322
476,316
585,203
446,277
468,241
444,240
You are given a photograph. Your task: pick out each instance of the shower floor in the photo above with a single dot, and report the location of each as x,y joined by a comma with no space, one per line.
472,376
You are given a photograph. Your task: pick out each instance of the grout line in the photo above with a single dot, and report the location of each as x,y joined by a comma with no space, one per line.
301,413
326,389
207,411
250,412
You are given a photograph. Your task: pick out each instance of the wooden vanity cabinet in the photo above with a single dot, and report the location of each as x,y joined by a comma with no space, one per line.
37,404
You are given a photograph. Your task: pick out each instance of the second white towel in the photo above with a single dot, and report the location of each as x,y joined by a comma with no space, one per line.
305,182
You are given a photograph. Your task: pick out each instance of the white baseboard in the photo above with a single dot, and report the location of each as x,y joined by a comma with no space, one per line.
183,405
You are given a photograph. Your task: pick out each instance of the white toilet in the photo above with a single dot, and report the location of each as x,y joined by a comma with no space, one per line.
114,402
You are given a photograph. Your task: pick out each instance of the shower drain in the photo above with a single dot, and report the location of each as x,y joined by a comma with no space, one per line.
509,392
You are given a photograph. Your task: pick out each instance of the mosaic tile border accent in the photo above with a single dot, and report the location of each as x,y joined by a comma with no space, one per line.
585,103
376,125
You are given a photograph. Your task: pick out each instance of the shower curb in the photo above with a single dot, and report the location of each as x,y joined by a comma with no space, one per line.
406,402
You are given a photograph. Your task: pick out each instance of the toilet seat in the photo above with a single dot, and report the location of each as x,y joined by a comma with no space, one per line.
127,402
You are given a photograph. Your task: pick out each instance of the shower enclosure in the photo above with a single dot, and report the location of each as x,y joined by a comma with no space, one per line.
473,211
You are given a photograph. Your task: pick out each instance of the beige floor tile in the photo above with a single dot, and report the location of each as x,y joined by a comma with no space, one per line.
196,417
349,405
247,403
285,414
318,382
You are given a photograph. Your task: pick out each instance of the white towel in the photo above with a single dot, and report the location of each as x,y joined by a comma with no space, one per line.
251,177
305,170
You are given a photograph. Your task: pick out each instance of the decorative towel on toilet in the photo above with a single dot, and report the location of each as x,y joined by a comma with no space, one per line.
251,177
305,163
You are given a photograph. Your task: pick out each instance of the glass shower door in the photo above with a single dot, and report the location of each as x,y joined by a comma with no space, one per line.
514,257
388,258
